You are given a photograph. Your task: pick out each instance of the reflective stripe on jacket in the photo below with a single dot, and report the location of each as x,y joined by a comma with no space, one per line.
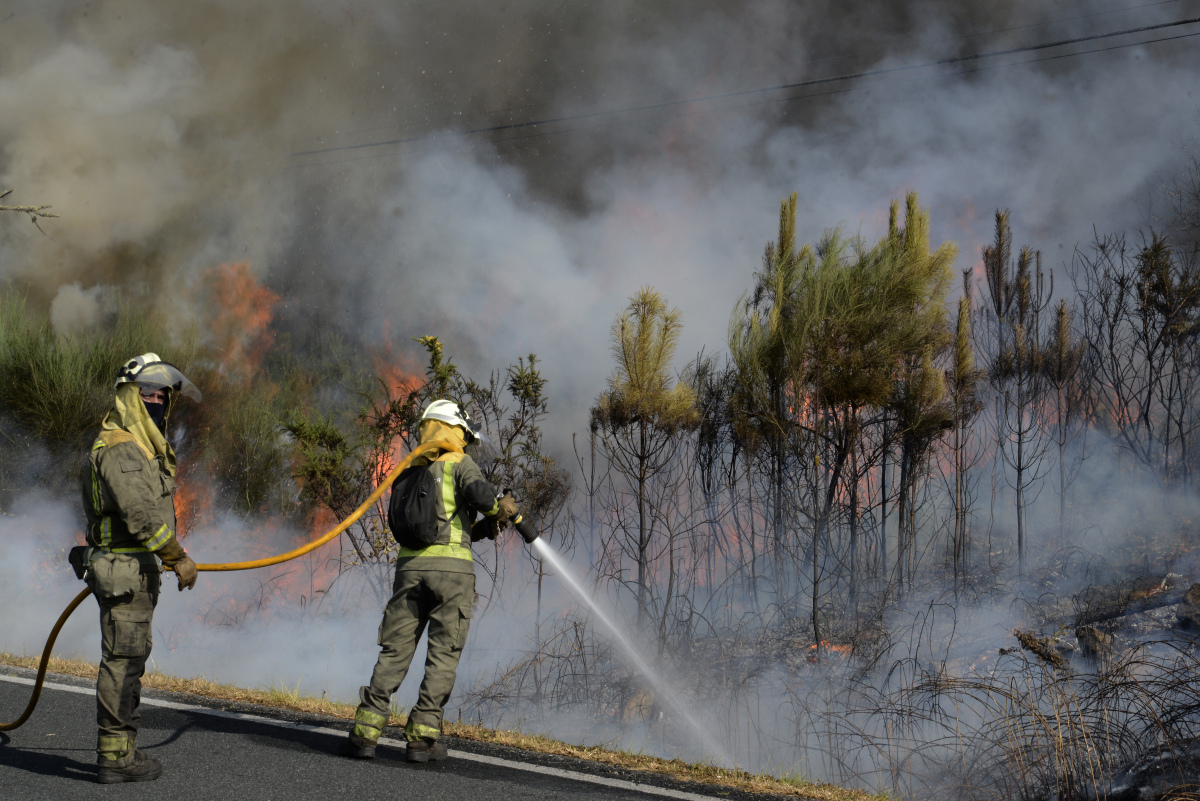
127,497
464,491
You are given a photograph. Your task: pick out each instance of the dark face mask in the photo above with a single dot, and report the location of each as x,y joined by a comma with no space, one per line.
157,412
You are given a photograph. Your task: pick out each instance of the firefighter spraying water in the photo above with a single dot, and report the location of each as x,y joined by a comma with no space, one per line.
438,493
431,514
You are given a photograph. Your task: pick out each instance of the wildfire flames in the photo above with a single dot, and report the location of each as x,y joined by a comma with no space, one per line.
239,338
194,502
240,328
400,382
828,649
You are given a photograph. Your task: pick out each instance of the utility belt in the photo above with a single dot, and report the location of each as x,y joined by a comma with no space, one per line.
112,572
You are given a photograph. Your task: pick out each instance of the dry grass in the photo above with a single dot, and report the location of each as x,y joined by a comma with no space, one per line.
286,698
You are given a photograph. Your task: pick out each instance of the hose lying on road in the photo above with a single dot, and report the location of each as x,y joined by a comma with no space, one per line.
420,450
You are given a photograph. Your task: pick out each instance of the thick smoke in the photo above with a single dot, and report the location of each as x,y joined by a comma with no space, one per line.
166,136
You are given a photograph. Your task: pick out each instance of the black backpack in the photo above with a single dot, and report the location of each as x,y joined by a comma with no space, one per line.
412,512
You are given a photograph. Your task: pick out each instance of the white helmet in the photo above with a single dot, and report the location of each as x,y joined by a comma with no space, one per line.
151,371
447,411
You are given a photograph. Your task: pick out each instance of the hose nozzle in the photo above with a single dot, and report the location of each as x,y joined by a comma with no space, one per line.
525,529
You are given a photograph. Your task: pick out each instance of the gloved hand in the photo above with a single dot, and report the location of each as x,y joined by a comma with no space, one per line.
185,571
174,557
486,528
508,509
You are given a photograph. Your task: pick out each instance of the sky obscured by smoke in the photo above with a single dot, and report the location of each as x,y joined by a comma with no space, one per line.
166,135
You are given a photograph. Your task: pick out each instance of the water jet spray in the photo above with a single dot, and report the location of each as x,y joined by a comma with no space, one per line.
663,689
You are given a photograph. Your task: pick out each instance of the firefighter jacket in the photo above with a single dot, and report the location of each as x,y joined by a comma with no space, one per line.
464,492
128,483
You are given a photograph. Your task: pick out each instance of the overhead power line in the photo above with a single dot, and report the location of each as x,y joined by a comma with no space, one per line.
825,59
837,91
668,104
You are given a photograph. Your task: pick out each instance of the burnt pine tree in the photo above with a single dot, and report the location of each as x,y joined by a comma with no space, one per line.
922,415
962,384
842,319
1061,362
762,403
1139,313
880,304
1018,294
1169,290
641,414
917,405
716,452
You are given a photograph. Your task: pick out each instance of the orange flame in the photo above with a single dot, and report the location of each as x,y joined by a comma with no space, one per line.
400,380
194,502
240,327
829,649
402,377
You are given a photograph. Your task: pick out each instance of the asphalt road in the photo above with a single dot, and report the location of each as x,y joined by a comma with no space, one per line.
247,754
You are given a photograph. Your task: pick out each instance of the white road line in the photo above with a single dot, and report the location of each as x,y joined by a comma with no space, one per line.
620,784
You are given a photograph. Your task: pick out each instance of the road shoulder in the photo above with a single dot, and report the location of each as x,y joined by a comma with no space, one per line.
495,755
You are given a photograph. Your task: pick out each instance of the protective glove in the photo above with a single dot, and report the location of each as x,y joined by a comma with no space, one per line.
185,571
508,509
174,557
487,528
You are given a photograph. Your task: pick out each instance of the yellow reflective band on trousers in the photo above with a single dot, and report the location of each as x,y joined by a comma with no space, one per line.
114,747
456,548
368,725
416,730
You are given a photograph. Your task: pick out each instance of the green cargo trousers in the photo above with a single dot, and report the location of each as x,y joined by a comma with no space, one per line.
125,642
442,602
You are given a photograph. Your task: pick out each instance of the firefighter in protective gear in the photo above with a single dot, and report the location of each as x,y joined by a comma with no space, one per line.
434,589
128,489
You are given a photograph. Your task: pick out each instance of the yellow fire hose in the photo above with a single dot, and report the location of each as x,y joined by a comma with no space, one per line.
442,445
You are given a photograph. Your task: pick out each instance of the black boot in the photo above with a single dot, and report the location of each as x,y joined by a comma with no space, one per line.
424,751
142,768
358,748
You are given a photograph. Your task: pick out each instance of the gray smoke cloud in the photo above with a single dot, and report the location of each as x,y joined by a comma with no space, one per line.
74,309
165,136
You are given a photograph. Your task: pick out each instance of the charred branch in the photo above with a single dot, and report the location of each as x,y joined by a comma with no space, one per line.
34,212
1104,603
